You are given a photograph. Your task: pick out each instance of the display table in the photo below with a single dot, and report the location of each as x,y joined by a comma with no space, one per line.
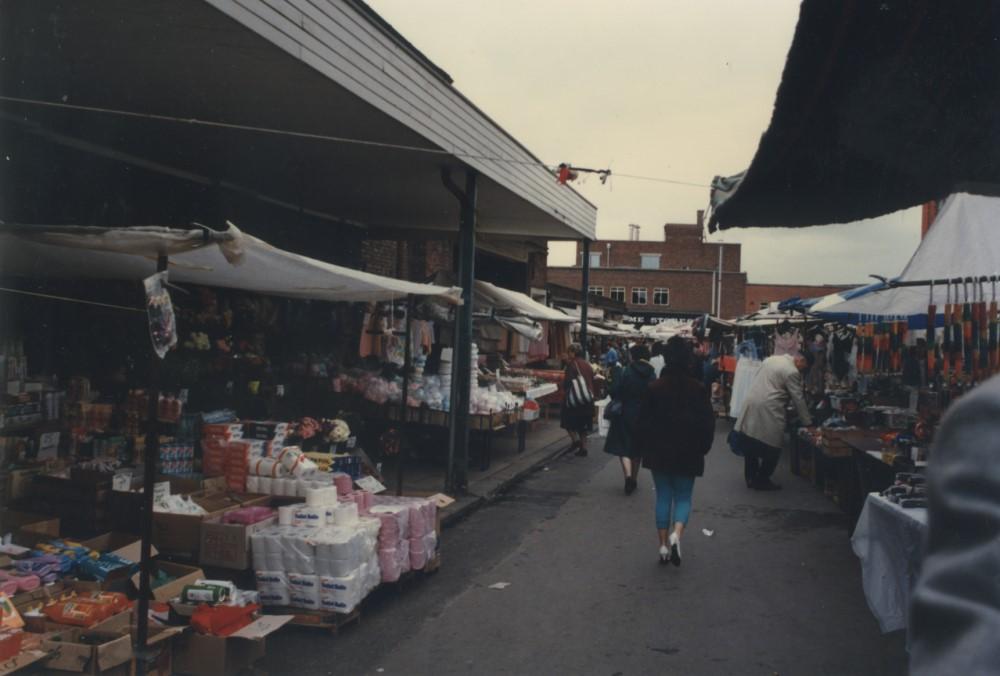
889,540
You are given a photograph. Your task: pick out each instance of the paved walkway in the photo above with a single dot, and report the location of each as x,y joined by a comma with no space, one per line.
775,589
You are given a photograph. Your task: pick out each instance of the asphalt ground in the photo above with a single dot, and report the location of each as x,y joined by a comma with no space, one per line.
774,590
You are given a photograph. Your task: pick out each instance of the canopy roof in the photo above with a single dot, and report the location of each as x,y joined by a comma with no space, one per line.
513,302
882,106
212,109
239,262
964,241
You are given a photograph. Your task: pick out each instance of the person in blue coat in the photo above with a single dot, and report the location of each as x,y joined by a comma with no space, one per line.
628,387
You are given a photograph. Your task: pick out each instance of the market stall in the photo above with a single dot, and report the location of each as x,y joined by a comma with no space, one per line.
215,471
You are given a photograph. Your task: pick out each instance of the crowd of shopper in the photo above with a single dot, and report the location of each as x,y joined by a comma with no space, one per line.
660,416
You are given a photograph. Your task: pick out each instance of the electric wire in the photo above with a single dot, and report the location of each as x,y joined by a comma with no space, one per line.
324,137
72,300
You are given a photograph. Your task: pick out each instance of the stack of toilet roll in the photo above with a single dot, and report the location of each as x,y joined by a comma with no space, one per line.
420,531
329,567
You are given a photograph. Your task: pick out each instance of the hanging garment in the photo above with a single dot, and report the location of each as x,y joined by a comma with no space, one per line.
842,345
746,370
787,343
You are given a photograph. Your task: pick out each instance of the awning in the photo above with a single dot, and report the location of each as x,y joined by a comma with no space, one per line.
593,330
244,263
882,106
512,302
964,241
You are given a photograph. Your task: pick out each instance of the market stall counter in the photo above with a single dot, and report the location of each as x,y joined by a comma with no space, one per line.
889,540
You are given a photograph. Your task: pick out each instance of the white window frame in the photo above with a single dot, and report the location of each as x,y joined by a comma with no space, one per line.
645,295
595,291
644,256
661,290
611,293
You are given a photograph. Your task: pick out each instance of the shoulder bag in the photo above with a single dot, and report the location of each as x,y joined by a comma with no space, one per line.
578,391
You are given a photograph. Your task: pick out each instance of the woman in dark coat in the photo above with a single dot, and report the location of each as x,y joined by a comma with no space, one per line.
579,420
627,390
677,427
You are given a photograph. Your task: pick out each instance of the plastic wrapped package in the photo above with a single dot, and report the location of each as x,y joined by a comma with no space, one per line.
309,517
342,594
273,588
304,591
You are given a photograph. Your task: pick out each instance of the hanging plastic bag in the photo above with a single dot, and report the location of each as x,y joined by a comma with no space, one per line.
160,310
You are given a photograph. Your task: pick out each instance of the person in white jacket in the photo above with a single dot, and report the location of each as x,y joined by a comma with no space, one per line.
760,428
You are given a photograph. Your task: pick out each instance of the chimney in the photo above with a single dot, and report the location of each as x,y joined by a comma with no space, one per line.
701,219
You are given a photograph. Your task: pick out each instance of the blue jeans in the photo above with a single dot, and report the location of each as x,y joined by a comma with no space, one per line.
675,490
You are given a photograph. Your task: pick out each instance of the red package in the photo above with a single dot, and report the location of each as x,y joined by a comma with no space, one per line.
222,620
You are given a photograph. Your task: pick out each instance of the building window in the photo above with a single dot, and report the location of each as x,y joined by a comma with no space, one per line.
595,260
649,261
638,295
618,293
764,304
595,290
661,296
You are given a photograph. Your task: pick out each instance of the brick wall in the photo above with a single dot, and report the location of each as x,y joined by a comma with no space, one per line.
676,251
690,291
757,294
379,256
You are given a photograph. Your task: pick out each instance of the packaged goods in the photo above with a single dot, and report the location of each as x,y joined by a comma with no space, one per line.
204,593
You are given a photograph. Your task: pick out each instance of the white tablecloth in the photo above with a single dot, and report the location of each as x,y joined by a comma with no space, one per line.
889,540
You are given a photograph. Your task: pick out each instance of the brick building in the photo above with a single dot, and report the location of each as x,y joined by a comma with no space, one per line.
758,296
673,277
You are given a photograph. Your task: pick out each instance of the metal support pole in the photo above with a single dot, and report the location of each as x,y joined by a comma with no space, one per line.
712,306
407,368
586,298
458,442
149,478
718,295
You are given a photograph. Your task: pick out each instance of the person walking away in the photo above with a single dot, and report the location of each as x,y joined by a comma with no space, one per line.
760,429
656,361
627,390
611,357
577,420
676,429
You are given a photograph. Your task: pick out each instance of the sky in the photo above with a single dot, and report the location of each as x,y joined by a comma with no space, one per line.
670,89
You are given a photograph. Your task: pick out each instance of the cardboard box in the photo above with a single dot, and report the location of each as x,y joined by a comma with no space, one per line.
183,576
105,648
20,482
227,545
37,597
28,529
180,534
185,486
87,651
225,655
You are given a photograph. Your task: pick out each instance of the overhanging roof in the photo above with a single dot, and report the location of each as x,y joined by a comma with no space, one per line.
323,68
882,106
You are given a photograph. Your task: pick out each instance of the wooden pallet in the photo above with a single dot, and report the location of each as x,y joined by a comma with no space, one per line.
321,619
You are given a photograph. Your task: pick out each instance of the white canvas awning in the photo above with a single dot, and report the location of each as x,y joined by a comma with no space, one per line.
964,241
240,261
508,301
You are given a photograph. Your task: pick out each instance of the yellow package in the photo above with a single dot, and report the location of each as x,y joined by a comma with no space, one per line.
9,617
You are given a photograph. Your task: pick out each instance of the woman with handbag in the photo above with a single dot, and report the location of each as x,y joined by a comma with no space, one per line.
676,430
577,414
627,389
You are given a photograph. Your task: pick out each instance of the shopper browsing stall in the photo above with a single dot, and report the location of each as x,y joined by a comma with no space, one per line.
760,429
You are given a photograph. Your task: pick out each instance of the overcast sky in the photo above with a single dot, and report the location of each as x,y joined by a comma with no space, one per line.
673,89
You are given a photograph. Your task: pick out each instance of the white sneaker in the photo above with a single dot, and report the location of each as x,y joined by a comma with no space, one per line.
664,554
675,549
